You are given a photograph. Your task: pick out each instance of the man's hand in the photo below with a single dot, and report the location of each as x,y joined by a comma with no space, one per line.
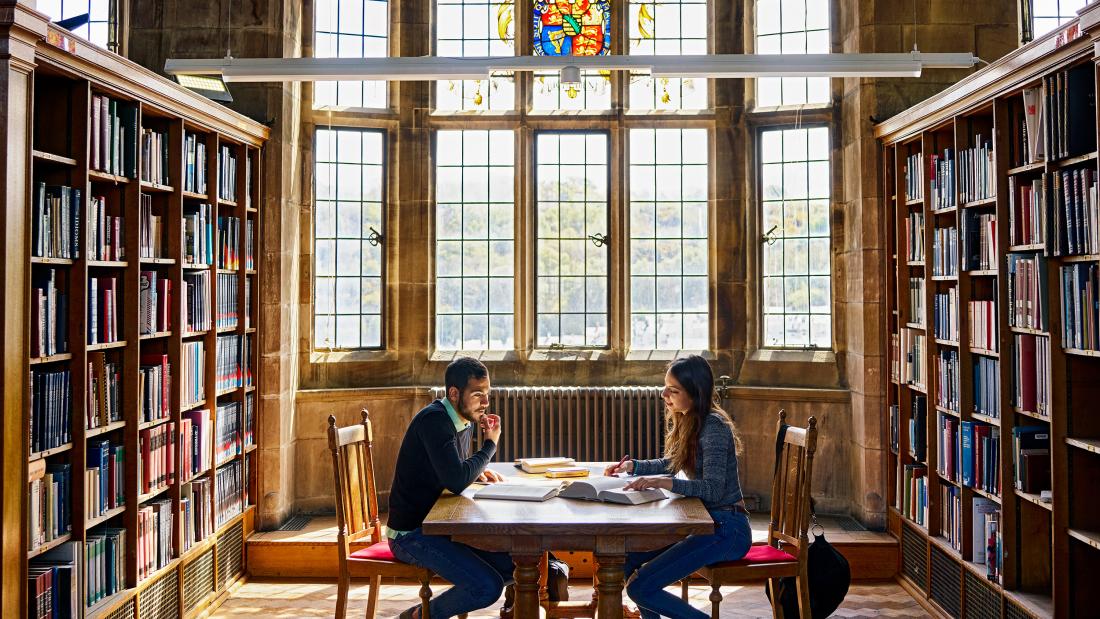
645,483
490,427
489,476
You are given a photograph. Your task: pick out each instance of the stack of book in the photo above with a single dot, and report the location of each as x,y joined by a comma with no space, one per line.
945,315
1027,291
227,424
105,558
104,232
196,301
1075,222
53,582
157,457
151,243
986,522
49,315
196,442
914,180
51,409
227,173
945,252
1027,211
916,300
983,324
1031,448
227,372
154,537
1081,306
194,159
947,448
1071,103
947,379
249,413
229,240
104,479
942,171
987,387
55,220
1031,373
226,314
228,492
979,240
103,297
196,500
951,522
114,132
155,385
913,493
917,415
154,156
913,364
914,237
976,178
198,234
154,303
49,508
104,395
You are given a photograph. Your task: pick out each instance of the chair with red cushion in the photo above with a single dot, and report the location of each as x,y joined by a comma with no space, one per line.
784,552
357,520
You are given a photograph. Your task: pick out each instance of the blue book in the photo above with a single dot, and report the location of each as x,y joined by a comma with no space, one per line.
966,438
98,454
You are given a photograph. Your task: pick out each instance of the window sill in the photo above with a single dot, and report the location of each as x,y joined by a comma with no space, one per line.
667,355
480,355
802,107
571,354
814,369
779,355
353,356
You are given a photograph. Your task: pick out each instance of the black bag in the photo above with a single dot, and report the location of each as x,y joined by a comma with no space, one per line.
557,579
829,577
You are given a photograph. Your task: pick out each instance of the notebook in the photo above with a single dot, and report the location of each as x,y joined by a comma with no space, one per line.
518,491
610,490
540,465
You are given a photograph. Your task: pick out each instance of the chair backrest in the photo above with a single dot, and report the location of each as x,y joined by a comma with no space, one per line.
353,474
790,513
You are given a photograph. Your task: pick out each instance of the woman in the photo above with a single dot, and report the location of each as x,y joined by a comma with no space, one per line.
702,442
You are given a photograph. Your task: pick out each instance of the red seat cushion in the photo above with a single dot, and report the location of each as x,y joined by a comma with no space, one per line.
376,552
759,553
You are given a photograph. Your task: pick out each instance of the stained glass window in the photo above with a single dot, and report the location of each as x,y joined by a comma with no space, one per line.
792,27
795,183
350,29
572,28
668,239
102,18
668,27
347,264
475,246
571,269
475,28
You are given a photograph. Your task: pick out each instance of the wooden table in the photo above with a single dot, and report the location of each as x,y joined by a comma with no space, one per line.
528,529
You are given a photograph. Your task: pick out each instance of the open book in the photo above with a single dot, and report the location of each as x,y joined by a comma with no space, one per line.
518,491
540,465
610,490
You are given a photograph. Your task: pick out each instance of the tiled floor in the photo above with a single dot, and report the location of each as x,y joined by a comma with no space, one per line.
318,599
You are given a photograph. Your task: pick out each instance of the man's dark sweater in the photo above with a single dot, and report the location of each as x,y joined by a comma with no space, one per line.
432,458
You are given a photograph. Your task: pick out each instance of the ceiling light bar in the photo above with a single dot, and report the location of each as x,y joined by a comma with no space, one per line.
430,68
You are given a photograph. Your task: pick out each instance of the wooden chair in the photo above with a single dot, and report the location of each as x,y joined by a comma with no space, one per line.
357,520
790,518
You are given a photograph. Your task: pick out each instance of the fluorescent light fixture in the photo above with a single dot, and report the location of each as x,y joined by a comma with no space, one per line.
210,86
570,76
432,68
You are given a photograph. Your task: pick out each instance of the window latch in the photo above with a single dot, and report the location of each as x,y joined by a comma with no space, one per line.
598,239
770,237
556,346
375,238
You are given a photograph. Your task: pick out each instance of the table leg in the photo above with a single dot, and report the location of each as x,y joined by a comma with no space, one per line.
527,585
610,574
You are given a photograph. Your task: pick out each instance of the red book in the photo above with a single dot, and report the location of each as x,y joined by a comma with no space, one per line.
169,434
146,461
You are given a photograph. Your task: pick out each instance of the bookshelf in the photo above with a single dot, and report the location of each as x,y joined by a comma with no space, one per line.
992,253
141,338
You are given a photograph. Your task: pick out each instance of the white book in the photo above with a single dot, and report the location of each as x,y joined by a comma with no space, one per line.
518,491
540,465
610,490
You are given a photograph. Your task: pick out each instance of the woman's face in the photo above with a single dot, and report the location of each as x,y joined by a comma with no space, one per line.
676,399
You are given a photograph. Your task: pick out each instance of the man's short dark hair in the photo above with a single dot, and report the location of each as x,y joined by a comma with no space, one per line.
461,370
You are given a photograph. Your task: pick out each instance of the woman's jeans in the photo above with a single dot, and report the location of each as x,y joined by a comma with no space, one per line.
478,576
657,569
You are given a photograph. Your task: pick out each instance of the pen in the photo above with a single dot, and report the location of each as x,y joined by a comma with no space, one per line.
622,460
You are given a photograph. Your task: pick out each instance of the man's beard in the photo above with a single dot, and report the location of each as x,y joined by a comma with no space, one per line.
465,414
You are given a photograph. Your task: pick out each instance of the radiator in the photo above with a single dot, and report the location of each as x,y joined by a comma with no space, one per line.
590,424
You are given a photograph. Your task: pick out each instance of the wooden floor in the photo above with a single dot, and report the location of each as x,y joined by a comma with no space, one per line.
272,599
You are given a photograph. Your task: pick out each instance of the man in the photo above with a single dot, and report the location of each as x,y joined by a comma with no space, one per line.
435,455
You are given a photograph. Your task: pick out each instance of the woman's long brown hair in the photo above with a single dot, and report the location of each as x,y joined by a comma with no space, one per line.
682,431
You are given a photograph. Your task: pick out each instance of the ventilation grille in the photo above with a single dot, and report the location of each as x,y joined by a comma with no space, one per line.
198,580
914,557
1013,611
946,582
591,424
161,599
982,600
126,611
230,554
296,523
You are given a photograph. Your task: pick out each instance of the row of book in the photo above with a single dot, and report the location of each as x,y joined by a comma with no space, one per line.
916,300
945,252
987,386
225,315
234,367
947,448
249,416
913,493
198,233
895,429
105,568
967,453
945,314
55,222
49,512
942,176
977,180
114,133
196,301
914,367
1070,103
103,297
1073,194
104,394
104,478
1031,373
951,522
196,447
194,158
197,511
154,156
151,240
155,386
1027,211
154,536
230,491
105,232
1031,452
1081,306
49,314
51,409
154,303
918,415
157,457
53,579
986,537
983,324
947,379
229,243
227,173
914,181
192,374
914,237
1027,291
979,240
227,427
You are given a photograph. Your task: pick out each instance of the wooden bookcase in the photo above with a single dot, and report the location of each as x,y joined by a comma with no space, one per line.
68,76
1049,548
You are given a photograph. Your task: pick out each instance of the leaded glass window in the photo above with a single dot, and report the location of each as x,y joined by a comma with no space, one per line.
347,256
102,25
669,27
475,246
475,28
795,182
350,29
571,264
792,27
668,239
571,28
1046,15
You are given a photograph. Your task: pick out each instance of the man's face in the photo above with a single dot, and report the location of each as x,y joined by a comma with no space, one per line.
473,401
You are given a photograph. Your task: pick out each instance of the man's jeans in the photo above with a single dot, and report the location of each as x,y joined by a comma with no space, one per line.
478,576
659,568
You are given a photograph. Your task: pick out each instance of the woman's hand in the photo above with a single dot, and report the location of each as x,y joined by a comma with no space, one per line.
645,483
626,467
